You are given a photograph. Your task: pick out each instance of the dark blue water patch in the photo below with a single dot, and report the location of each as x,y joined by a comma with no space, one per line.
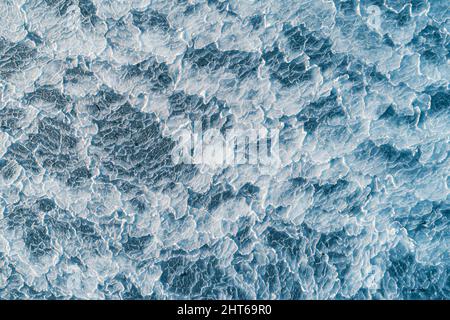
78,176
240,63
8,169
371,74
244,238
279,281
88,12
440,103
218,196
208,57
222,6
134,246
177,272
399,119
38,241
432,43
61,5
138,129
14,57
111,288
256,21
325,254
86,229
123,287
77,74
139,204
24,220
249,191
338,246
387,40
298,182
87,8
289,74
157,74
426,220
20,217
34,37
400,19
219,4
103,102
52,148
60,224
346,7
431,37
317,48
191,8
271,276
404,17
418,6
326,190
388,156
48,94
322,111
291,248
15,286
326,194
26,292
136,149
414,280
150,20
24,156
182,103
247,268
46,204
288,247
212,198
200,278
80,235
10,119
3,163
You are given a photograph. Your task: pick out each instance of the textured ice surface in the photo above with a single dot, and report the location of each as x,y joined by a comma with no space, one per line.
92,204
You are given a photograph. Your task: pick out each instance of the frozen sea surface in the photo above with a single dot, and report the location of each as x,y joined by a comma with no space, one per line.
93,94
